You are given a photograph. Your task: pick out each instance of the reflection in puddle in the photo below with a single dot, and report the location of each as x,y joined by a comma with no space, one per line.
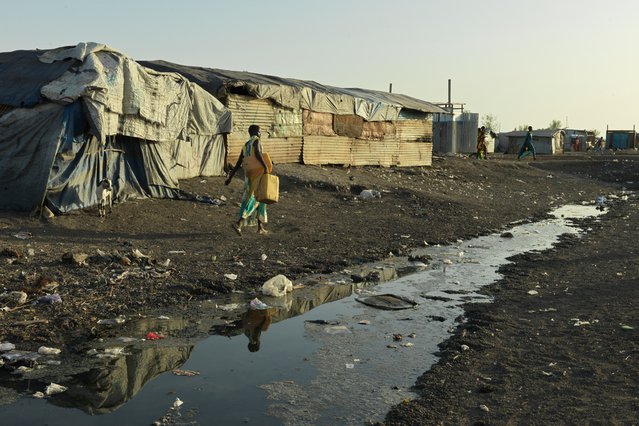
255,367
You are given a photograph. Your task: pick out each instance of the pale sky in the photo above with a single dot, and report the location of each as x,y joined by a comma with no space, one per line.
523,61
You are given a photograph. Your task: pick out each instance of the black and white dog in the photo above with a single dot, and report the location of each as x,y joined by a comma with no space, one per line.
105,196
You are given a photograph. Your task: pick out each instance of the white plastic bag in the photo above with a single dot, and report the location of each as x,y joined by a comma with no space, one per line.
277,286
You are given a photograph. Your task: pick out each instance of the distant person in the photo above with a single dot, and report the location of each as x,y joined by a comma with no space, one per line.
600,146
255,321
527,148
482,151
254,166
575,144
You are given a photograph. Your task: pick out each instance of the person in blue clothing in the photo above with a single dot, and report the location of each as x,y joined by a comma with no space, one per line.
528,147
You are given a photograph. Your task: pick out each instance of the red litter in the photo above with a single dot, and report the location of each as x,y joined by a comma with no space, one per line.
154,336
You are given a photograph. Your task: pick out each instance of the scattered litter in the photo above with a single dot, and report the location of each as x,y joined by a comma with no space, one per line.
6,346
177,252
38,395
600,199
92,352
138,254
230,276
412,335
50,299
364,322
397,337
229,307
54,388
264,257
322,322
391,346
350,365
533,292
388,301
546,373
163,317
78,259
483,407
127,339
257,304
408,344
367,194
151,335
43,350
337,329
112,321
579,323
465,347
23,235
177,403
623,327
188,373
111,352
277,286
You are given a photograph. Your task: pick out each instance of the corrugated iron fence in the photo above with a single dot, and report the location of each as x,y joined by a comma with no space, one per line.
294,136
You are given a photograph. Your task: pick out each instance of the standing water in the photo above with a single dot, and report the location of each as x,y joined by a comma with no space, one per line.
337,363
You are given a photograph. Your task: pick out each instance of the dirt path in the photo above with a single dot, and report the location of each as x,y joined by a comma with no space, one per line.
320,225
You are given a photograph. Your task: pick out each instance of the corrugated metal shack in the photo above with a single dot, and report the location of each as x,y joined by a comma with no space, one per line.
304,121
575,140
545,141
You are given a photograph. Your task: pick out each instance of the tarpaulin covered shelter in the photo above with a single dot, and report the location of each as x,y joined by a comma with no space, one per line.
70,117
304,121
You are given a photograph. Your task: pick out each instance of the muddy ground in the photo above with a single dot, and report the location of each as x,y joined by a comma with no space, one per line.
527,362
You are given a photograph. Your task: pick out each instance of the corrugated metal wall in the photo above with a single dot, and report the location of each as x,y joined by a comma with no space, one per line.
326,150
415,154
322,138
281,128
357,152
415,130
455,134
374,153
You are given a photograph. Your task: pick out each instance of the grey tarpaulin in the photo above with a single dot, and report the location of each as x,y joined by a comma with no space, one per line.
87,112
371,105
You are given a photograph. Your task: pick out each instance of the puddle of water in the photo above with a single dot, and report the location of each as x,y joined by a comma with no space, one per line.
302,374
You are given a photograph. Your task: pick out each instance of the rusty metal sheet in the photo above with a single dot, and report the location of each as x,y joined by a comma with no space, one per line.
326,150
